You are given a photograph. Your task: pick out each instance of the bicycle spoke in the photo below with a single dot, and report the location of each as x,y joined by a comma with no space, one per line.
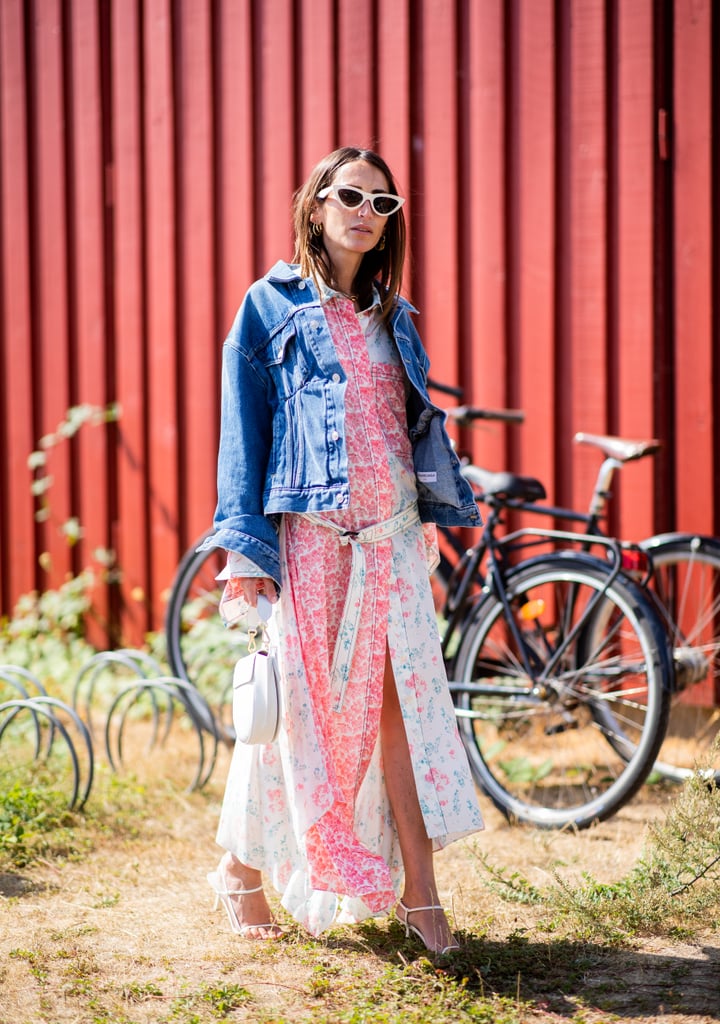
581,738
686,580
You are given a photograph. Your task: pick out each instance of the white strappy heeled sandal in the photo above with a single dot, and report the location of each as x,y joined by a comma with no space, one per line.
222,895
411,929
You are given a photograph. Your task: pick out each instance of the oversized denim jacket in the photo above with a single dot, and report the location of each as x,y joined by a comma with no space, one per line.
282,428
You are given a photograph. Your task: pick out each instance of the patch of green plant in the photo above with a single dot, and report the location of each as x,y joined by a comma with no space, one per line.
75,418
322,978
423,992
45,636
674,888
137,993
35,821
514,887
37,964
521,769
219,1000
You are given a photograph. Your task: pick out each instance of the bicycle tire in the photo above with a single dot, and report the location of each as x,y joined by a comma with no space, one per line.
543,757
686,580
200,649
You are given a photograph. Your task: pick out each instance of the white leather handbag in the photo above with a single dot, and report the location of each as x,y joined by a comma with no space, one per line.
256,693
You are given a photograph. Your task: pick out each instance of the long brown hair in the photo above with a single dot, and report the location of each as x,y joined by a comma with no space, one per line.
383,267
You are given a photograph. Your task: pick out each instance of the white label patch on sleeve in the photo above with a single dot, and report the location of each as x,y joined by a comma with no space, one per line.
427,478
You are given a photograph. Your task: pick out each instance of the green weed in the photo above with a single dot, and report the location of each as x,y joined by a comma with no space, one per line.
219,1000
35,822
673,889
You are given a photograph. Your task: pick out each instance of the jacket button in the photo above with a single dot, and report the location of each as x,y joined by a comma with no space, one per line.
301,285
334,435
336,378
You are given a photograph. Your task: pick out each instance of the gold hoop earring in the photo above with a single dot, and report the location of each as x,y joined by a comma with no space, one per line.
381,244
315,229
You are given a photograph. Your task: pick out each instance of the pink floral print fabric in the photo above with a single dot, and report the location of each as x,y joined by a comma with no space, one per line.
312,809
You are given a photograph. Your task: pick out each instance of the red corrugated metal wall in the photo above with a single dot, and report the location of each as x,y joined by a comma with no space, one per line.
562,168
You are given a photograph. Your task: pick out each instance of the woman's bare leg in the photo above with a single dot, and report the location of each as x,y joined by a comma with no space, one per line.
420,885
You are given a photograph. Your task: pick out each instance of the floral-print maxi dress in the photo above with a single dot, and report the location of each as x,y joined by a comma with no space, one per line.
311,810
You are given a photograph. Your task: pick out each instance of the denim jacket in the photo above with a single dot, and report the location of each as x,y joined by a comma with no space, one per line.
283,419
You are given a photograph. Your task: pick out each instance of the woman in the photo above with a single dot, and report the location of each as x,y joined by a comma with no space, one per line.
331,459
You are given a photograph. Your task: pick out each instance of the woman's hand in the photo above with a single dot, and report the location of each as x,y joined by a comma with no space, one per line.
250,587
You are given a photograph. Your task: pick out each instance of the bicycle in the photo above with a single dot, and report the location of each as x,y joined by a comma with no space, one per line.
590,658
685,580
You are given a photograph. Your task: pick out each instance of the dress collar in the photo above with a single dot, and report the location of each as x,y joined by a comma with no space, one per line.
327,293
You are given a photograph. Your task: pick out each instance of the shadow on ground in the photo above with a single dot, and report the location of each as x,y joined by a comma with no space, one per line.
563,976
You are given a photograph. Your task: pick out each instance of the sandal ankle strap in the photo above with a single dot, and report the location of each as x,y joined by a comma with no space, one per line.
242,892
413,910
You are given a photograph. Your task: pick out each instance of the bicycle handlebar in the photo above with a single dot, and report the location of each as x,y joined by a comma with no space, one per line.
445,389
464,415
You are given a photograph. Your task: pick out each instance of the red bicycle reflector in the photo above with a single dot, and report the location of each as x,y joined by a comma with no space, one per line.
532,609
635,561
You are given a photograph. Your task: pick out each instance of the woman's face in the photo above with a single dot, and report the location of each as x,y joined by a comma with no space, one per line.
355,231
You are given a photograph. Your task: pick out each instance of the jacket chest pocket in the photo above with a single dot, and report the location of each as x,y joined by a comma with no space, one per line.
287,361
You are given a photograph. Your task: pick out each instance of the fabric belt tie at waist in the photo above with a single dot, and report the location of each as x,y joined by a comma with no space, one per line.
347,633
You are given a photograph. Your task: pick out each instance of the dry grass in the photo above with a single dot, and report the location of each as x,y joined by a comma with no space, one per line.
125,934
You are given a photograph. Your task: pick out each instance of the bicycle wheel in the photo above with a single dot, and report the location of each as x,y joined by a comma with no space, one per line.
563,709
686,579
199,647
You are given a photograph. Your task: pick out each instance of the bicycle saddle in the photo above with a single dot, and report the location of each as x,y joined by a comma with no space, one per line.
620,448
505,485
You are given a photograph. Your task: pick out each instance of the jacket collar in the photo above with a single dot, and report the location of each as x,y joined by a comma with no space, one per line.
283,273
286,273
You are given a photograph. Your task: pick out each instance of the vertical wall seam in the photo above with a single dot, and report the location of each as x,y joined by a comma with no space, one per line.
5,595
563,254
71,258
145,311
34,269
107,184
663,277
417,144
511,199
256,110
177,78
612,188
463,197
715,251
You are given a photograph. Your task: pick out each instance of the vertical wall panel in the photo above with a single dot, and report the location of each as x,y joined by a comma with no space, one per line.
87,231
18,556
237,215
130,535
197,328
274,99
315,128
355,93
531,216
54,363
482,191
393,93
582,370
693,267
435,237
631,159
161,283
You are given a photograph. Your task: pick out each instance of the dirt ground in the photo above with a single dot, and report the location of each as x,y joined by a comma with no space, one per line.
135,918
